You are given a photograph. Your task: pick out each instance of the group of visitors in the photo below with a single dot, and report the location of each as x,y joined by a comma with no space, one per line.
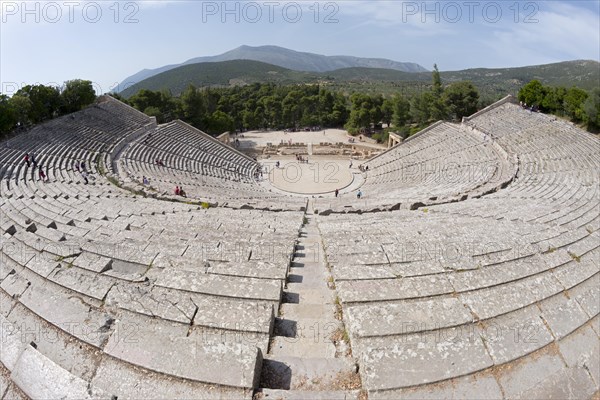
82,169
30,160
179,191
532,108
359,193
301,159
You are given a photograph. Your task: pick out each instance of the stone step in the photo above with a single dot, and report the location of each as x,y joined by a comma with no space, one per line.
126,381
174,349
299,293
278,394
291,328
309,374
40,378
304,311
308,276
310,346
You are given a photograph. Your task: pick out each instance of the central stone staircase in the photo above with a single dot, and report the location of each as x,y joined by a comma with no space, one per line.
309,354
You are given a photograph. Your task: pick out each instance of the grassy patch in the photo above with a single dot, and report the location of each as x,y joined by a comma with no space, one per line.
550,250
338,308
100,165
114,181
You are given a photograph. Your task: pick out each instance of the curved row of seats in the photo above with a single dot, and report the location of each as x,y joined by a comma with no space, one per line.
491,297
443,163
105,293
177,154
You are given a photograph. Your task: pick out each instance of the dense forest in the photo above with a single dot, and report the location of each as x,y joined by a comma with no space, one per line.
274,106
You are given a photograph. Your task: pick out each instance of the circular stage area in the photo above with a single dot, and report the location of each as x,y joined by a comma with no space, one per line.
319,175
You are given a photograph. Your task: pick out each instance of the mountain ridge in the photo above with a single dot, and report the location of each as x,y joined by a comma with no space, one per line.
492,82
282,57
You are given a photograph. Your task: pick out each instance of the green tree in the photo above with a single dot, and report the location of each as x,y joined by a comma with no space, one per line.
533,93
153,111
361,114
437,106
461,99
8,116
420,108
22,107
76,95
553,101
591,107
387,111
219,122
193,106
45,102
437,90
574,100
401,115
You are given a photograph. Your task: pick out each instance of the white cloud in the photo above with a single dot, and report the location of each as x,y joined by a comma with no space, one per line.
562,31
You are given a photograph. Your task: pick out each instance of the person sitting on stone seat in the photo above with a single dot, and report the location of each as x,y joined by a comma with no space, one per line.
42,175
177,190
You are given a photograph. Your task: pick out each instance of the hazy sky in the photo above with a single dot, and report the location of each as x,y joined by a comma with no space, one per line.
105,41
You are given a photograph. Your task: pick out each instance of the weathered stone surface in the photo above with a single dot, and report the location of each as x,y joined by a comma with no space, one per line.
8,389
416,359
587,295
274,394
15,284
575,272
70,314
529,374
562,314
43,264
130,382
225,286
127,250
92,262
406,316
581,350
515,334
496,274
361,272
161,346
39,377
13,343
305,373
82,281
497,300
393,289
476,386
